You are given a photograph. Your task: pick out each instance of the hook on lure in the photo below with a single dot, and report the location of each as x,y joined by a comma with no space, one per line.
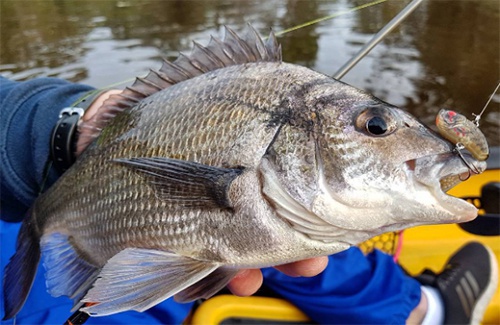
472,168
464,133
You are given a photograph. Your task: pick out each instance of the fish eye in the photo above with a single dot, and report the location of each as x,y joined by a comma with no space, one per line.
376,121
376,126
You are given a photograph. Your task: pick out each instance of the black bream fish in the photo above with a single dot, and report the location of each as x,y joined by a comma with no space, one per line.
225,159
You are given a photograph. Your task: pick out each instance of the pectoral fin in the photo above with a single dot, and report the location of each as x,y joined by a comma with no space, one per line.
138,279
184,182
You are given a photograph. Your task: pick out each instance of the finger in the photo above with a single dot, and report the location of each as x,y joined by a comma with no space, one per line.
309,267
84,136
246,282
97,103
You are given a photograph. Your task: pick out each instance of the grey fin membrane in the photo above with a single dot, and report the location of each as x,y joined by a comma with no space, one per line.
21,270
66,273
232,50
138,279
207,287
185,183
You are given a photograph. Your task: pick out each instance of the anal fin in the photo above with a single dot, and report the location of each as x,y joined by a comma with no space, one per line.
137,279
208,286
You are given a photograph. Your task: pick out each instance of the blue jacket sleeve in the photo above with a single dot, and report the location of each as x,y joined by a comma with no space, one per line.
29,110
354,289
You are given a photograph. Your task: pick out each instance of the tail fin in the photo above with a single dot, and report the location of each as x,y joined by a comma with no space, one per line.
21,270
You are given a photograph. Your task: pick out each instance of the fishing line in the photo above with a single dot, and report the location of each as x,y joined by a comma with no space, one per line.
98,90
478,117
318,20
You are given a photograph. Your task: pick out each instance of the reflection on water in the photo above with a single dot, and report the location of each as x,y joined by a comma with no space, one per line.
446,54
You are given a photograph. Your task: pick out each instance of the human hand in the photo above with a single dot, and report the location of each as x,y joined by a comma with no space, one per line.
248,281
82,143
97,103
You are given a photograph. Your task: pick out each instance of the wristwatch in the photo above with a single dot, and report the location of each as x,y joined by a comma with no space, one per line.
65,132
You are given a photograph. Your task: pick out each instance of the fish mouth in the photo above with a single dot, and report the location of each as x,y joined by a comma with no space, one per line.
439,173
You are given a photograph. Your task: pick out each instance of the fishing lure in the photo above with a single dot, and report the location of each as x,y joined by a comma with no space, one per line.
464,133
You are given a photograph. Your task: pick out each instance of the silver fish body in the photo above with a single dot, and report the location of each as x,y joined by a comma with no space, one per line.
114,207
255,163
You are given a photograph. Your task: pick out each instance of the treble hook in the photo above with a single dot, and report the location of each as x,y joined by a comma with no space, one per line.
472,168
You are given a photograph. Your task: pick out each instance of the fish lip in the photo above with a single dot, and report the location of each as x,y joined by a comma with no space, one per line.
430,171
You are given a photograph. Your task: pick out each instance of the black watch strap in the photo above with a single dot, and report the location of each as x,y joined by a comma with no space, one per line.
63,140
65,135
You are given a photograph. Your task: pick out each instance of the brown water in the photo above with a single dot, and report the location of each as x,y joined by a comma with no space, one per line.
446,54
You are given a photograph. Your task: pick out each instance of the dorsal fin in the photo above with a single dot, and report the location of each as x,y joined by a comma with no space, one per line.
217,54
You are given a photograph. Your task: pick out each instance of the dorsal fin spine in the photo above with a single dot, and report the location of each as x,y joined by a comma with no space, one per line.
149,83
231,37
227,51
162,76
200,66
251,37
218,54
183,58
222,48
137,91
209,54
127,97
174,65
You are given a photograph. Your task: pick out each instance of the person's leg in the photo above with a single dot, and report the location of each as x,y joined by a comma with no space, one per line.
418,313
